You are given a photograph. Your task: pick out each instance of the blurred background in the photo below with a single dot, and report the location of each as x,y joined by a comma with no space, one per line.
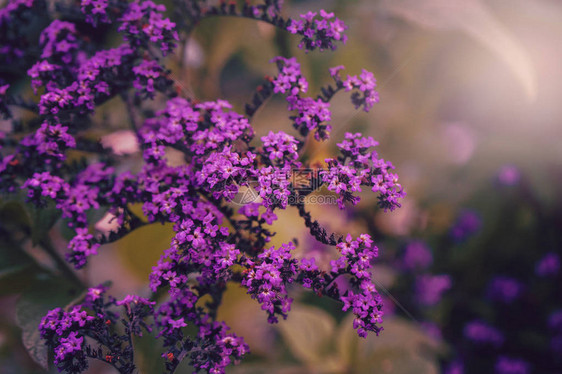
470,116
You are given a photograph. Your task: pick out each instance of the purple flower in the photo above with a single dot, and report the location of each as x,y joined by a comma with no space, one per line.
504,289
430,288
320,33
506,365
417,256
481,333
548,265
509,175
467,224
555,321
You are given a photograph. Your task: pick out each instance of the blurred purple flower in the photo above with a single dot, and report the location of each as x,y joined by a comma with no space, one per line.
556,344
467,224
482,333
506,365
509,175
504,289
555,321
430,288
548,265
455,368
417,256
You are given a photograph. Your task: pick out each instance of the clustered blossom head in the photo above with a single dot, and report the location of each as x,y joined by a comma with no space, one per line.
95,11
358,166
14,43
322,32
143,23
266,279
314,114
365,302
66,331
217,239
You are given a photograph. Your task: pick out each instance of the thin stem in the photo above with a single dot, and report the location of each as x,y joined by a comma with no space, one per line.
316,230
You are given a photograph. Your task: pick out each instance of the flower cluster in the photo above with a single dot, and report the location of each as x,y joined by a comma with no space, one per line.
266,279
57,161
365,302
322,32
359,166
314,114
14,41
362,87
95,11
66,331
482,333
143,23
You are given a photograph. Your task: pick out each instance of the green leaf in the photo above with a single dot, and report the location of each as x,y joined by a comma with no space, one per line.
13,213
401,348
13,259
15,268
43,220
142,248
35,302
309,334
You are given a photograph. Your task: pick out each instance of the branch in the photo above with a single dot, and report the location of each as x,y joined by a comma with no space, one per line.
316,230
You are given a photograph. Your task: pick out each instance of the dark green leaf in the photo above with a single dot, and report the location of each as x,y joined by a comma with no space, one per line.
43,220
15,268
42,296
13,213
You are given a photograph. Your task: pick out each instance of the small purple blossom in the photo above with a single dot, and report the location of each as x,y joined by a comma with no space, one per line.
467,224
430,288
321,33
481,333
548,265
506,365
504,289
509,175
417,256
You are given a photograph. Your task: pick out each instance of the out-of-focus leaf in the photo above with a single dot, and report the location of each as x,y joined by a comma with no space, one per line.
42,296
43,220
16,269
475,19
12,259
15,264
148,355
309,334
401,348
142,248
13,213
245,317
